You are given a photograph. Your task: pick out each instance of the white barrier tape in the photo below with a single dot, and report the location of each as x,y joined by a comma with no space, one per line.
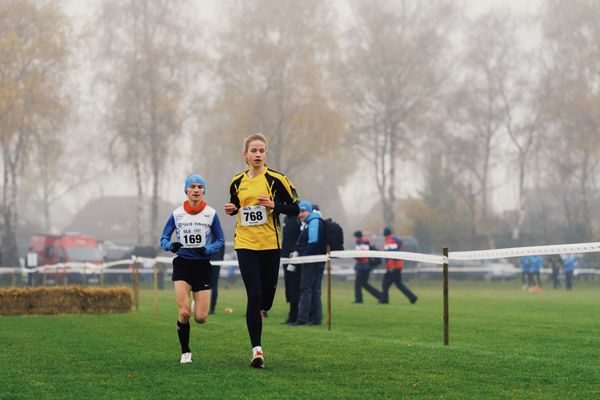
305,259
118,262
500,272
10,270
395,255
337,270
166,260
222,263
124,271
525,251
143,259
90,268
225,263
234,263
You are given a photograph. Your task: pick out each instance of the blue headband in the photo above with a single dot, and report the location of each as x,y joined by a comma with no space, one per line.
305,206
194,179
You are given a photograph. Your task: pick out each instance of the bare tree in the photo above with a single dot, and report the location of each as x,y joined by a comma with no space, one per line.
274,73
393,75
523,102
33,50
479,109
146,46
570,31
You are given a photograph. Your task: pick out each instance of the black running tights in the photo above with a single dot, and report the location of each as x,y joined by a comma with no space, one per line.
260,271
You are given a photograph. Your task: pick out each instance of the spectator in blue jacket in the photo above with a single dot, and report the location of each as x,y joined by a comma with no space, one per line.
311,242
570,262
535,268
525,264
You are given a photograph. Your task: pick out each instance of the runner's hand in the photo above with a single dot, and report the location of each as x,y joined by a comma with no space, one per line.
230,208
264,200
175,246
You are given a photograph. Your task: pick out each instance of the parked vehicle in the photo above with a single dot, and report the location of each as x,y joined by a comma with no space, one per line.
114,252
482,269
65,248
500,269
69,247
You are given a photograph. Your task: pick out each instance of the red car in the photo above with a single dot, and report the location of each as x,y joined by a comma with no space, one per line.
52,249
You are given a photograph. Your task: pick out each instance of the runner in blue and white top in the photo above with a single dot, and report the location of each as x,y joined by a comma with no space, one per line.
198,236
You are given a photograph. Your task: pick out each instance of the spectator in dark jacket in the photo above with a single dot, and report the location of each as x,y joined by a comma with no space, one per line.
214,279
311,242
291,273
393,274
555,264
362,270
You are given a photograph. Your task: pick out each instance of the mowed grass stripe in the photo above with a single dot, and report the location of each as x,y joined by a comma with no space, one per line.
504,343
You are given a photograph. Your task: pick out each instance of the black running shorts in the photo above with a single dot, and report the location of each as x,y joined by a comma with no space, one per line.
197,273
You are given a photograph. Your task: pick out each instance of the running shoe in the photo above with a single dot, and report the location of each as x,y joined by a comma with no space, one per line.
258,360
186,358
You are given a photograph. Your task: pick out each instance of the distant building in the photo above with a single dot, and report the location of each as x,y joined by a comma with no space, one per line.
113,218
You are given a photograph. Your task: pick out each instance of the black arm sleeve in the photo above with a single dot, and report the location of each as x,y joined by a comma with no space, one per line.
284,202
288,209
233,197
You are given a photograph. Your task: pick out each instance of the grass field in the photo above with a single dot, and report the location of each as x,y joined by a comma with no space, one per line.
504,343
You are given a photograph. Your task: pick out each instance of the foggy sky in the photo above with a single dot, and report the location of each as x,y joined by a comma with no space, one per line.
114,183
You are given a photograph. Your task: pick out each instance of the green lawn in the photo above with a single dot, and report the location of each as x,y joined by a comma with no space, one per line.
504,343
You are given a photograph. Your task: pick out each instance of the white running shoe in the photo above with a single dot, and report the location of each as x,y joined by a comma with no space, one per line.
258,360
186,358
193,305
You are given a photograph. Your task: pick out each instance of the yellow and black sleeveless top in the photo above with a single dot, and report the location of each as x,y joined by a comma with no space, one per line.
257,227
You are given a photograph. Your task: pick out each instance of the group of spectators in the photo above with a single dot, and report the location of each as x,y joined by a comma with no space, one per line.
531,267
304,236
392,276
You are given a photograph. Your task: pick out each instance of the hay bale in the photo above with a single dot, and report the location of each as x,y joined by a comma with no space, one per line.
13,302
64,300
55,300
100,301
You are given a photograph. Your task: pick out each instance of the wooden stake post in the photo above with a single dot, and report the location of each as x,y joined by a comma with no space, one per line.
446,317
136,285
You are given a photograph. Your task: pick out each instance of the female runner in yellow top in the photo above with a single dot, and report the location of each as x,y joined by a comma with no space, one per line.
258,196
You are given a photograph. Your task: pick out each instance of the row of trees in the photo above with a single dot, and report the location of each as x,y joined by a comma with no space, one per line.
391,83
33,106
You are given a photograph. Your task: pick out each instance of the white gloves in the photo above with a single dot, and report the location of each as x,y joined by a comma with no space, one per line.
292,267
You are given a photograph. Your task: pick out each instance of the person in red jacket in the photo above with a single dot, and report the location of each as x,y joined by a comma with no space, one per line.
362,268
393,274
